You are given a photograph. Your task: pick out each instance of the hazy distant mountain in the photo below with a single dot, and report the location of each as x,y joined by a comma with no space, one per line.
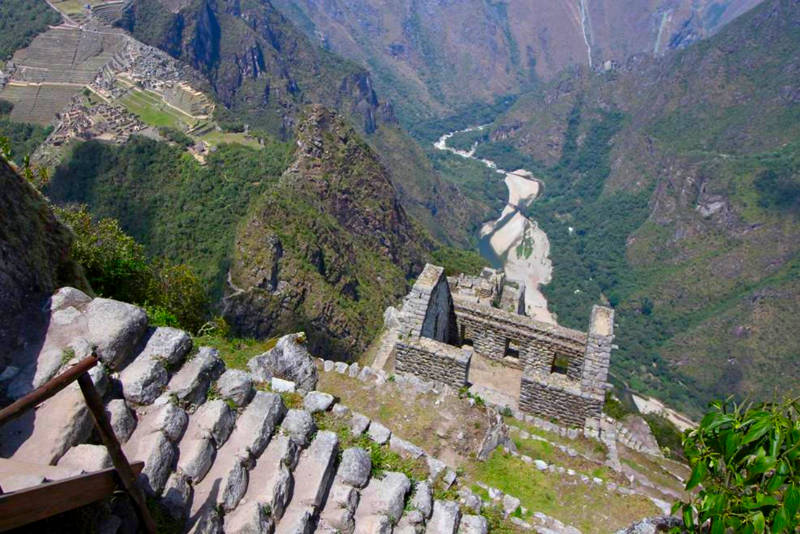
430,56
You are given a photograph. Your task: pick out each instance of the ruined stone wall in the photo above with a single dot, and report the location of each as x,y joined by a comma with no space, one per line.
433,360
598,350
490,329
428,309
559,400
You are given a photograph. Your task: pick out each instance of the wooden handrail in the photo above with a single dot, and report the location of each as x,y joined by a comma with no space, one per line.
46,390
97,410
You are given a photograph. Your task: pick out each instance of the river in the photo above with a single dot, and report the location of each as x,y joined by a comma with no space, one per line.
514,241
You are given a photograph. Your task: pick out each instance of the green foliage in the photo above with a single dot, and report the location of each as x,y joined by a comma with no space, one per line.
160,316
779,189
21,21
456,261
114,263
667,435
614,408
117,267
466,140
176,136
178,209
5,106
745,461
23,138
477,113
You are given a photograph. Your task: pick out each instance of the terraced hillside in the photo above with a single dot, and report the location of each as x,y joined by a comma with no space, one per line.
253,450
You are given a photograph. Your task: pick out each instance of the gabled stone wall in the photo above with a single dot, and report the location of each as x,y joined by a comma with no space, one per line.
428,309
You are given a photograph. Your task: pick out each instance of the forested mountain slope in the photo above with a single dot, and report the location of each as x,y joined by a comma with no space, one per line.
673,191
264,71
312,237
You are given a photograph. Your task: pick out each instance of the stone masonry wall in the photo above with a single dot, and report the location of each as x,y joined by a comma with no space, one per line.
440,318
598,350
490,329
432,360
558,401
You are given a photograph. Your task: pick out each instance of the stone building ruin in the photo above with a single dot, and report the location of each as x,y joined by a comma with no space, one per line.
447,324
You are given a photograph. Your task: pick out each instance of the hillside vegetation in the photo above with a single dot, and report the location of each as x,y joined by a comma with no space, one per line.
20,22
285,239
671,192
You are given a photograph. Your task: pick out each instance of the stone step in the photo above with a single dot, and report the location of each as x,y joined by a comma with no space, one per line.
312,479
383,497
445,519
226,479
43,435
270,486
353,473
190,384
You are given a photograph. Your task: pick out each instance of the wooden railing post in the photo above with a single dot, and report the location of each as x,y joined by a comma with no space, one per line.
126,474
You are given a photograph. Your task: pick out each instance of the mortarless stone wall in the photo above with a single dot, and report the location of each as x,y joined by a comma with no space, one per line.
433,360
539,343
432,317
559,400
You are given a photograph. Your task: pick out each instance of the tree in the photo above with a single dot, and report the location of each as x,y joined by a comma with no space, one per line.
746,461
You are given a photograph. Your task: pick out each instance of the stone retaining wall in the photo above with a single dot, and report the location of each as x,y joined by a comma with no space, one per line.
433,360
566,404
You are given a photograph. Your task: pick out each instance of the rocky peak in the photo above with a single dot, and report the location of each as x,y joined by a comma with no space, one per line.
341,175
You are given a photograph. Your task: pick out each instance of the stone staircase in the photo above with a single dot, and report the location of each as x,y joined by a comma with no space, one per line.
222,453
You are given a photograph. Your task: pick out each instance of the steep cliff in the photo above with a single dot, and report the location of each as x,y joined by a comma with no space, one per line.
34,255
329,247
255,60
430,57
673,189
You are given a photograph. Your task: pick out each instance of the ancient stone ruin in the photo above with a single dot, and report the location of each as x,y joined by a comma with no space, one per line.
445,325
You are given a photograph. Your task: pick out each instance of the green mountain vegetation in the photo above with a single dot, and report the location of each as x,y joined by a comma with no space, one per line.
264,71
672,194
178,209
284,238
20,22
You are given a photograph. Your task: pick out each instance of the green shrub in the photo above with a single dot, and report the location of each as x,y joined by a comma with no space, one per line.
117,267
176,136
456,261
746,462
667,435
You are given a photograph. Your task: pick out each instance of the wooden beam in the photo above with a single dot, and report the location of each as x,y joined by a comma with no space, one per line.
126,474
28,505
46,390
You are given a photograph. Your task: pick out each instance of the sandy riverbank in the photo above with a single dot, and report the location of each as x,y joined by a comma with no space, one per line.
524,247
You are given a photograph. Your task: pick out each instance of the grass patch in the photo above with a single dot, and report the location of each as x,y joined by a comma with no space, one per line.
589,508
235,352
154,111
383,459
